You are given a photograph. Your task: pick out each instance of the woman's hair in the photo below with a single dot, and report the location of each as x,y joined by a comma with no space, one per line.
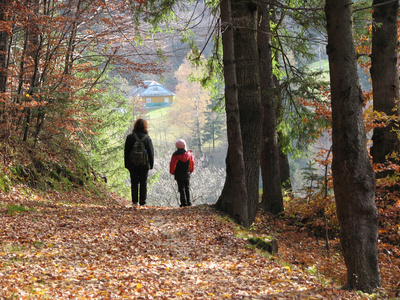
140,125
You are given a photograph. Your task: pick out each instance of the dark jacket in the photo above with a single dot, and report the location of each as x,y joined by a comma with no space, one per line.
182,164
130,140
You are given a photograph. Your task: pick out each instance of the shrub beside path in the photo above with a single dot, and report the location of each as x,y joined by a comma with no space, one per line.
77,246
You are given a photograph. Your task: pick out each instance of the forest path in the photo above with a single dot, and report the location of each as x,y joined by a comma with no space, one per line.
86,251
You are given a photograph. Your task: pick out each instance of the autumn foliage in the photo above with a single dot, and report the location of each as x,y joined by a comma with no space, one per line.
53,60
313,208
69,242
82,246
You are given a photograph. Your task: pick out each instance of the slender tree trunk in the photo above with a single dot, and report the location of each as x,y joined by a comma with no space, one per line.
233,199
247,73
5,115
353,176
21,83
30,70
284,167
198,131
385,76
213,135
72,40
272,199
4,38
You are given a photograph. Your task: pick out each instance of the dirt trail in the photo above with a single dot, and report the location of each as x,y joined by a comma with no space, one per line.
85,251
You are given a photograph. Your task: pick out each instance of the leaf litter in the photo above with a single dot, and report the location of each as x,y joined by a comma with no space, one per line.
79,246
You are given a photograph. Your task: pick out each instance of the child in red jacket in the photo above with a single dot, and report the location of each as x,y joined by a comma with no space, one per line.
181,166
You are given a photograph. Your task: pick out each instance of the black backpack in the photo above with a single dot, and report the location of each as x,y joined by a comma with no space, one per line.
138,155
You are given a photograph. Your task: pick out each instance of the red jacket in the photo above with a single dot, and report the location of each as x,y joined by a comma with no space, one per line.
182,164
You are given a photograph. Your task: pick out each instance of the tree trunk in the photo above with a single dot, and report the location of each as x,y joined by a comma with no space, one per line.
233,199
284,169
385,76
4,38
72,41
30,71
5,128
247,73
272,199
353,176
198,131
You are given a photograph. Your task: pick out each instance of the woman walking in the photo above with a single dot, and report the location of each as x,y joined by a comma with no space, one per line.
139,159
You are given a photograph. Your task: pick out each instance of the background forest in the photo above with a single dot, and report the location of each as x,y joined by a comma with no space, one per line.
67,68
71,88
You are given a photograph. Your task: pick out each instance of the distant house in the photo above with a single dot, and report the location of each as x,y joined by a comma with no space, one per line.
154,94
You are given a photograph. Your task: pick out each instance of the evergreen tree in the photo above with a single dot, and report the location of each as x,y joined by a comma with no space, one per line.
385,78
353,176
105,149
272,199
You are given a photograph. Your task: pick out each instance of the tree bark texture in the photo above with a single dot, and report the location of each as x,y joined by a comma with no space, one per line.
4,39
233,199
272,200
353,176
284,169
244,17
385,75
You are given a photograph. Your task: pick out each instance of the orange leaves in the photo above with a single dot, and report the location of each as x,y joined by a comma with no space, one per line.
5,27
376,119
56,82
110,252
32,104
322,109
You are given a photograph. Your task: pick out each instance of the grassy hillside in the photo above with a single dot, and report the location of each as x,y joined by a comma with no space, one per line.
320,65
157,113
160,129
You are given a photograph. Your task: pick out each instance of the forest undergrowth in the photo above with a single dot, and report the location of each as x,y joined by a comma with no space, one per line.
77,245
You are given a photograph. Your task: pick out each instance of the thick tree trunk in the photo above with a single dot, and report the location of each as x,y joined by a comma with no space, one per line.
233,199
385,76
247,73
353,176
272,199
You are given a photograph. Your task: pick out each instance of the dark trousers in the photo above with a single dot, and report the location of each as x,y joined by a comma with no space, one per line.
139,178
183,188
